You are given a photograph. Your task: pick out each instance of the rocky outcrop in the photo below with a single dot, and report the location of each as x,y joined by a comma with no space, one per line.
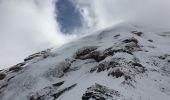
137,33
51,92
100,92
84,51
60,69
17,67
129,46
121,63
43,54
2,76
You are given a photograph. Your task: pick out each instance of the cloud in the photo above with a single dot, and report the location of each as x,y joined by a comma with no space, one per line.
27,26
103,13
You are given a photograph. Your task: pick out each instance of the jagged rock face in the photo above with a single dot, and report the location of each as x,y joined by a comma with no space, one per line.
50,92
122,63
137,33
43,54
99,92
2,76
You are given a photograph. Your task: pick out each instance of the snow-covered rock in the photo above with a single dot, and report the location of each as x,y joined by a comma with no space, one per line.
123,62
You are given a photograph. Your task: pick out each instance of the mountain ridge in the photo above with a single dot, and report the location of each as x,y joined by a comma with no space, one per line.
124,62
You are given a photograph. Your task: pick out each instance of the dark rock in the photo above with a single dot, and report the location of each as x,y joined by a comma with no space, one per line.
93,55
99,56
116,36
131,40
3,86
162,57
137,64
111,51
137,33
117,73
151,46
150,40
168,61
87,96
43,54
50,91
56,95
60,70
2,76
38,98
138,67
17,67
32,98
11,78
84,51
131,45
129,83
99,92
105,66
59,83
127,77
118,67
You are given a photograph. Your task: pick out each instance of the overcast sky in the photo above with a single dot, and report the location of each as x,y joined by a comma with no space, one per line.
27,26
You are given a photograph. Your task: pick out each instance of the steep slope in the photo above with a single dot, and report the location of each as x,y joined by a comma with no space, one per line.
124,62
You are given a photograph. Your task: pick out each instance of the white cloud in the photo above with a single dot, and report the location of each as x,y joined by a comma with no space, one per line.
103,13
27,26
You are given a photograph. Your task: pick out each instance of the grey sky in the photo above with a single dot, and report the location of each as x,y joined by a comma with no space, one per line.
26,27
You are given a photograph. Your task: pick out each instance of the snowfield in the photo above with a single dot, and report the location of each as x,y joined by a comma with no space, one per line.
123,62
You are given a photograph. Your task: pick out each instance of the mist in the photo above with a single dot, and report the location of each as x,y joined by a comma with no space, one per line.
103,13
28,26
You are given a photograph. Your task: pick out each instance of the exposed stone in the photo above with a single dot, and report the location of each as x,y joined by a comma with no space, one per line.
118,67
100,92
11,78
150,40
168,61
17,67
105,66
99,56
60,69
50,92
59,83
127,77
130,46
163,57
117,73
96,55
131,40
43,54
116,36
2,76
56,95
3,86
84,51
137,33
111,51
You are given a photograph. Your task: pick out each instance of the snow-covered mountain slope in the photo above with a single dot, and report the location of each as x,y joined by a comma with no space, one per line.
120,63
